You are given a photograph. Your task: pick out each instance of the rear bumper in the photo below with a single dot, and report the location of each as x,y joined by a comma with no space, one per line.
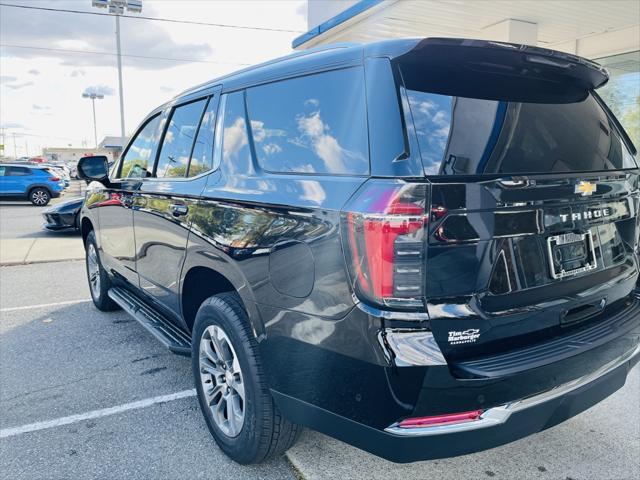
356,383
497,425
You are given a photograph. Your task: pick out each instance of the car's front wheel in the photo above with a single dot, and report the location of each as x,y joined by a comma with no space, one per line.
99,282
231,384
39,197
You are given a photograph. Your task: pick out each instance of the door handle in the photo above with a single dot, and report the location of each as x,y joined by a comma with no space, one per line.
179,209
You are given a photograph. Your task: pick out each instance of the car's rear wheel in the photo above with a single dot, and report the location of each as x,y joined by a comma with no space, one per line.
231,385
39,197
99,282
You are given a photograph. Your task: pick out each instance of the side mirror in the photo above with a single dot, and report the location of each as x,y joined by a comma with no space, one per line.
93,168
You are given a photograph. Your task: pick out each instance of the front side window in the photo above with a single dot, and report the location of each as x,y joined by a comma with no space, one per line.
202,157
137,162
311,124
173,160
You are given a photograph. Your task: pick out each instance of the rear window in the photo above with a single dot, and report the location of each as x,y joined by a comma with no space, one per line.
314,124
471,136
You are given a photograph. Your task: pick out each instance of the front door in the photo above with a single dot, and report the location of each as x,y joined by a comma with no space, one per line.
115,204
165,203
4,181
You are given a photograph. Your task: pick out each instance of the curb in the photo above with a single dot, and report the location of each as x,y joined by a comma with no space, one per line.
35,262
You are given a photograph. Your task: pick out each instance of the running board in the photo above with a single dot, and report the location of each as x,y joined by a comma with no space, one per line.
171,336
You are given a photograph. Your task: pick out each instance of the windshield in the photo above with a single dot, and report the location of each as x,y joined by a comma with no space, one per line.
470,136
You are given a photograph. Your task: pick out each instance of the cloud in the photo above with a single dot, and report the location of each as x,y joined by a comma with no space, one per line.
424,107
441,119
33,71
7,78
14,125
260,133
324,145
77,73
313,191
92,33
40,107
99,90
235,137
271,148
18,86
166,88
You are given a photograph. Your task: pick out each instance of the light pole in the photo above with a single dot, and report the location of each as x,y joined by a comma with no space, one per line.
117,7
93,97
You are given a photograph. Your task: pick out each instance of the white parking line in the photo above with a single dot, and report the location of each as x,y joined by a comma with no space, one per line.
43,305
33,427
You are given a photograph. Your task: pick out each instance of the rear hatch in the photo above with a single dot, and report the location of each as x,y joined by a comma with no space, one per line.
533,196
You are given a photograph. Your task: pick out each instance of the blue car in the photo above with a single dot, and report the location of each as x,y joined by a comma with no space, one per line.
35,183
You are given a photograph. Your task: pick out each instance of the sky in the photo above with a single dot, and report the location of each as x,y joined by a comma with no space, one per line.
44,67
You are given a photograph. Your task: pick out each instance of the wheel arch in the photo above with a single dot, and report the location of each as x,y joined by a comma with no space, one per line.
34,186
85,227
200,282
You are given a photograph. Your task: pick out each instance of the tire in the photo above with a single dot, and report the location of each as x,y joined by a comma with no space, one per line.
263,432
39,196
99,282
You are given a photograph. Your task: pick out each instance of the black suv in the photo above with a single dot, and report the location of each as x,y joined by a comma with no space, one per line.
424,248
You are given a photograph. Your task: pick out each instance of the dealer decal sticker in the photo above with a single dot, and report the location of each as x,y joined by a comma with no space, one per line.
466,336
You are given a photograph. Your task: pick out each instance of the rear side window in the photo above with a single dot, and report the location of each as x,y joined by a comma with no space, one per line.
136,162
19,171
179,139
469,136
311,124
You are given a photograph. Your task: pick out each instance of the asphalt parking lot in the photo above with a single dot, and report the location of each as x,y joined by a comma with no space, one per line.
86,394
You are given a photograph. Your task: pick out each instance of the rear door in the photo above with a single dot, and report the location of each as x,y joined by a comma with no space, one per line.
18,180
166,201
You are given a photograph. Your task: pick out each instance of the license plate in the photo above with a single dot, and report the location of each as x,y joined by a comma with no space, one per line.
571,254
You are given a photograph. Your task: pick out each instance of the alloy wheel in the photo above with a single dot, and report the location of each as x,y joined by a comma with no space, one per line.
39,197
222,381
93,270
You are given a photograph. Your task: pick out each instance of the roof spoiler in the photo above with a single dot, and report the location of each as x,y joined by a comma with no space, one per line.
490,69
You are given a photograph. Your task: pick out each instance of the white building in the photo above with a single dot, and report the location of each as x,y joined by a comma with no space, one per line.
607,31
111,147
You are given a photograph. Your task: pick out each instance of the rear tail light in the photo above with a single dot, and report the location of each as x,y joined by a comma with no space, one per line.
54,179
383,235
447,419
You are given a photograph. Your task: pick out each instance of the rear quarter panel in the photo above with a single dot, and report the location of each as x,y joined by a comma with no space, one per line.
276,238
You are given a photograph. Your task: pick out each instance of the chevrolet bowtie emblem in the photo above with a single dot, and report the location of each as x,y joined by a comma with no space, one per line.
586,188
